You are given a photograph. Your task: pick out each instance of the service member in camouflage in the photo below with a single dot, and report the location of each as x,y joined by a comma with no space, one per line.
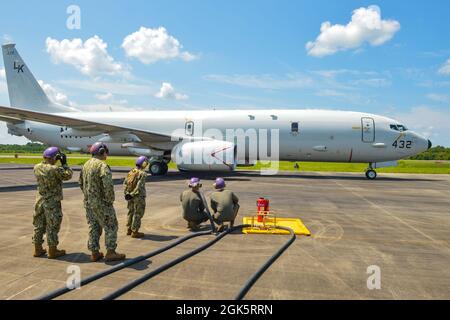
98,188
135,194
193,207
225,205
47,211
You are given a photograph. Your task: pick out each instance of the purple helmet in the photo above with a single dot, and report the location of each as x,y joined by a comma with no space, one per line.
99,148
140,161
51,152
220,183
194,182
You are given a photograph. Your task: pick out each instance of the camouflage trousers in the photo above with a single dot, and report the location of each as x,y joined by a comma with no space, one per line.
99,217
136,210
47,220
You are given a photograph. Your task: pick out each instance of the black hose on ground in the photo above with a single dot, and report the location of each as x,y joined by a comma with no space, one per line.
169,264
122,265
250,282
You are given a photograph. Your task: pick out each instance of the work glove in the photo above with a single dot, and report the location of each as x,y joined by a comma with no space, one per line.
128,197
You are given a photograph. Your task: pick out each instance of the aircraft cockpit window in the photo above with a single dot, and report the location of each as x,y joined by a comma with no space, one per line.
399,127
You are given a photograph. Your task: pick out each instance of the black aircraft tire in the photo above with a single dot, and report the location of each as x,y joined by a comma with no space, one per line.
371,174
158,168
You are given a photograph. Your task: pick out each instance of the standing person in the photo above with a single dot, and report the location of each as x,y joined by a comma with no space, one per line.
98,189
135,194
225,205
47,211
193,208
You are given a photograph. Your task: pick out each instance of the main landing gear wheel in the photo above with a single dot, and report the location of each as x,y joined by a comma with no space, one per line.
371,174
158,168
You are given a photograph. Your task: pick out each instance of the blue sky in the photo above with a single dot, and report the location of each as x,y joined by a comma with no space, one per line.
393,59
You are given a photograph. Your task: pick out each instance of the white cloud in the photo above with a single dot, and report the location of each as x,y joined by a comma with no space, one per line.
104,97
55,95
114,87
167,91
439,97
109,97
372,82
150,45
445,69
289,81
111,107
2,73
91,57
366,25
430,122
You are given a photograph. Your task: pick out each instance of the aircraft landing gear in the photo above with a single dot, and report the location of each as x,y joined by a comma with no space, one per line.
158,168
370,173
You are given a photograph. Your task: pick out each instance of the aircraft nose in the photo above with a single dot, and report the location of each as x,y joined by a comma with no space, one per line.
430,144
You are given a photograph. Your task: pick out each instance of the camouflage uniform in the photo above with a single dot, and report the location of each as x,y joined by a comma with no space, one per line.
47,210
98,188
134,185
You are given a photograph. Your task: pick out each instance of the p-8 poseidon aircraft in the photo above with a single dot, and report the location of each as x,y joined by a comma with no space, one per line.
207,140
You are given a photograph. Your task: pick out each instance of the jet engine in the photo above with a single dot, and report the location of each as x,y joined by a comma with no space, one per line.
206,155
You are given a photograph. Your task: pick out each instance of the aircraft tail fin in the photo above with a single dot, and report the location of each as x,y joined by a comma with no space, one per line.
24,91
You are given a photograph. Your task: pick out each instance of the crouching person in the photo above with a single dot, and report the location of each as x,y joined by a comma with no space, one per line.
225,205
193,208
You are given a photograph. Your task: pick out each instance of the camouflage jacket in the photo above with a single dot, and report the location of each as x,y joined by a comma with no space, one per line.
134,183
50,178
96,182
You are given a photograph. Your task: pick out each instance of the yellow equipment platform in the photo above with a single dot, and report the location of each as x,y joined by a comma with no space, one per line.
268,226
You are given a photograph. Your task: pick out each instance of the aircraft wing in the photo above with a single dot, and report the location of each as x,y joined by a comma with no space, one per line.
16,114
10,120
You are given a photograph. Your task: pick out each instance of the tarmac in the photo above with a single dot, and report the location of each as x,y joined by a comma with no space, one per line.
398,223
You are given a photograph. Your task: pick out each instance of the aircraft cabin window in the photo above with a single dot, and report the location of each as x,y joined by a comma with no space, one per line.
294,127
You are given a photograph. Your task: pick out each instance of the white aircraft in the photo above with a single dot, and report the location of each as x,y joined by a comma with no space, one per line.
300,135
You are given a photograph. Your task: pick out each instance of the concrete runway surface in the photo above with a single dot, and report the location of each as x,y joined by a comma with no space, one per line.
400,223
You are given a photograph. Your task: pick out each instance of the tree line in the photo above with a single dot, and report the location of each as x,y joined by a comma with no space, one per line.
435,153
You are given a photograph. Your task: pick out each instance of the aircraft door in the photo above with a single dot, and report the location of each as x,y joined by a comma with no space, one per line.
368,129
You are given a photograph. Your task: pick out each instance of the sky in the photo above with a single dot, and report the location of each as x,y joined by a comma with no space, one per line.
385,57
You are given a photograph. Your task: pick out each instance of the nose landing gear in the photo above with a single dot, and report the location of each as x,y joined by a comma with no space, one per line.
370,173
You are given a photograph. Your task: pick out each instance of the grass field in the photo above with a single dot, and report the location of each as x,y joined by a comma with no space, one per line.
405,166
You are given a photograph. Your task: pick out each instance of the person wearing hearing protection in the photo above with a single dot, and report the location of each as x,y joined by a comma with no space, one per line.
48,215
98,188
225,205
135,194
193,207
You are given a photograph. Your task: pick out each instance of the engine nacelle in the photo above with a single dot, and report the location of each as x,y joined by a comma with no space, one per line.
207,155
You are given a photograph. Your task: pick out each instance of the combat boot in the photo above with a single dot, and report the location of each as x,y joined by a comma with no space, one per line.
54,253
112,255
96,255
137,234
39,251
193,226
220,227
129,232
